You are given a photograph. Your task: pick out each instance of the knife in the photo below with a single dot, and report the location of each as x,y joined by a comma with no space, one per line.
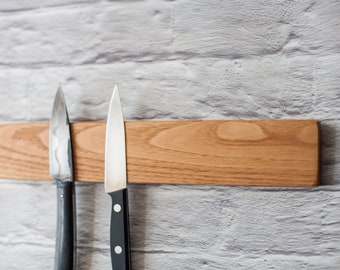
61,169
115,185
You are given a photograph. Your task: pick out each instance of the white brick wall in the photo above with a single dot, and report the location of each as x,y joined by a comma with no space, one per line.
177,60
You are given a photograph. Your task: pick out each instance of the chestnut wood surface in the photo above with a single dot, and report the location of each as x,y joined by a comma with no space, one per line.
245,153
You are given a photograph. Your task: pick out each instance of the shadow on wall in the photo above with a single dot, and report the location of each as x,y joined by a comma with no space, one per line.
328,162
139,202
86,223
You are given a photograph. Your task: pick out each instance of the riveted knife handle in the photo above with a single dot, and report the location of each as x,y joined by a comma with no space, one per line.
119,234
65,239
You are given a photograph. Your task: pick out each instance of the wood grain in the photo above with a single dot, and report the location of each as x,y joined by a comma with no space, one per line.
250,153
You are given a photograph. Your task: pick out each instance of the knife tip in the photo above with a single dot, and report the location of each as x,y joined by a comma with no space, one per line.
115,95
59,94
115,91
59,105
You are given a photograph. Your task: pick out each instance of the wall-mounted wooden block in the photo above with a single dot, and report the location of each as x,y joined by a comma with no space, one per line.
247,153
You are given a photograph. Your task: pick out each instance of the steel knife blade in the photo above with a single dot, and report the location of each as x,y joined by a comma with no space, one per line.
61,169
116,185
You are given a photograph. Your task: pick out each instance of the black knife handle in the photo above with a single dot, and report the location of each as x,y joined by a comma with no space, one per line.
66,231
119,234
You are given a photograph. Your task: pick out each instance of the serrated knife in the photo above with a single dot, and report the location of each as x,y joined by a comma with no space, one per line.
116,185
61,169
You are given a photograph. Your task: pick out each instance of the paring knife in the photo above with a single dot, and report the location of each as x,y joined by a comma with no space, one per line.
115,185
61,168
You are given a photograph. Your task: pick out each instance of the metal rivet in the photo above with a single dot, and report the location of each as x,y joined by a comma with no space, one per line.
117,208
118,249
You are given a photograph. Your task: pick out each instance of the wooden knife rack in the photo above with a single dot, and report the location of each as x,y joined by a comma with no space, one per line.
242,153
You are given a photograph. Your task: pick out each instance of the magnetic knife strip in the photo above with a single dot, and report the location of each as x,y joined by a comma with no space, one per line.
235,153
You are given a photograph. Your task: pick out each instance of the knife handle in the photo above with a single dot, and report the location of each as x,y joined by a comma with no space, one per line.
66,231
119,234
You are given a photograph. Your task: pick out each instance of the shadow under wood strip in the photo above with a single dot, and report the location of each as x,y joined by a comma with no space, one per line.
246,153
